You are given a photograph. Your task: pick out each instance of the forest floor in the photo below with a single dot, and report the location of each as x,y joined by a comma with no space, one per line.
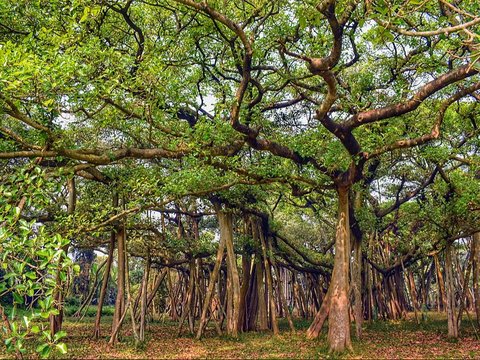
382,339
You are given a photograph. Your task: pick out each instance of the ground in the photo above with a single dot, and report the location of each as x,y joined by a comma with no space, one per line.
382,339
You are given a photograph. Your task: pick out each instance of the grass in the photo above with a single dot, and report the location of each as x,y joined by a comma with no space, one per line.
382,339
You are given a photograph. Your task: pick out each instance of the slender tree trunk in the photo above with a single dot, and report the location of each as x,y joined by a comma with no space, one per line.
465,287
226,231
442,297
120,300
413,294
103,290
189,297
156,286
211,287
268,275
242,307
357,285
129,299
252,298
476,271
322,314
262,305
93,289
143,303
452,323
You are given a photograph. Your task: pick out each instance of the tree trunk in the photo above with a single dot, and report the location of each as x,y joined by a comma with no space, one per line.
120,300
268,275
413,294
476,271
452,323
103,291
143,303
442,297
211,287
322,314
226,231
242,307
338,318
259,270
357,285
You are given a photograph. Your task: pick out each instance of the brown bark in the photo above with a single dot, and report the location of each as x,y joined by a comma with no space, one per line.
211,287
476,271
357,285
156,286
242,307
144,300
259,272
338,318
322,314
226,231
91,292
452,323
413,294
268,275
441,284
120,300
106,277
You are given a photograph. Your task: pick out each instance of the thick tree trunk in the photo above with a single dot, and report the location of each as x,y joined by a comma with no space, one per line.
338,318
452,323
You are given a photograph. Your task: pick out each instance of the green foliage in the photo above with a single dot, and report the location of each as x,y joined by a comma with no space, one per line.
31,260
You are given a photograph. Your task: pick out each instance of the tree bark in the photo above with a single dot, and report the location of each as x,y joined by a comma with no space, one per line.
338,318
144,300
226,231
357,285
211,287
120,300
476,271
452,323
441,284
268,275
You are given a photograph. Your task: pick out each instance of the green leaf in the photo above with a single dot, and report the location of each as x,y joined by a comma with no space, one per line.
86,12
35,329
31,275
59,335
62,347
17,298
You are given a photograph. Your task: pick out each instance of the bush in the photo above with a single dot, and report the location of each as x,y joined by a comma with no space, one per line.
90,311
